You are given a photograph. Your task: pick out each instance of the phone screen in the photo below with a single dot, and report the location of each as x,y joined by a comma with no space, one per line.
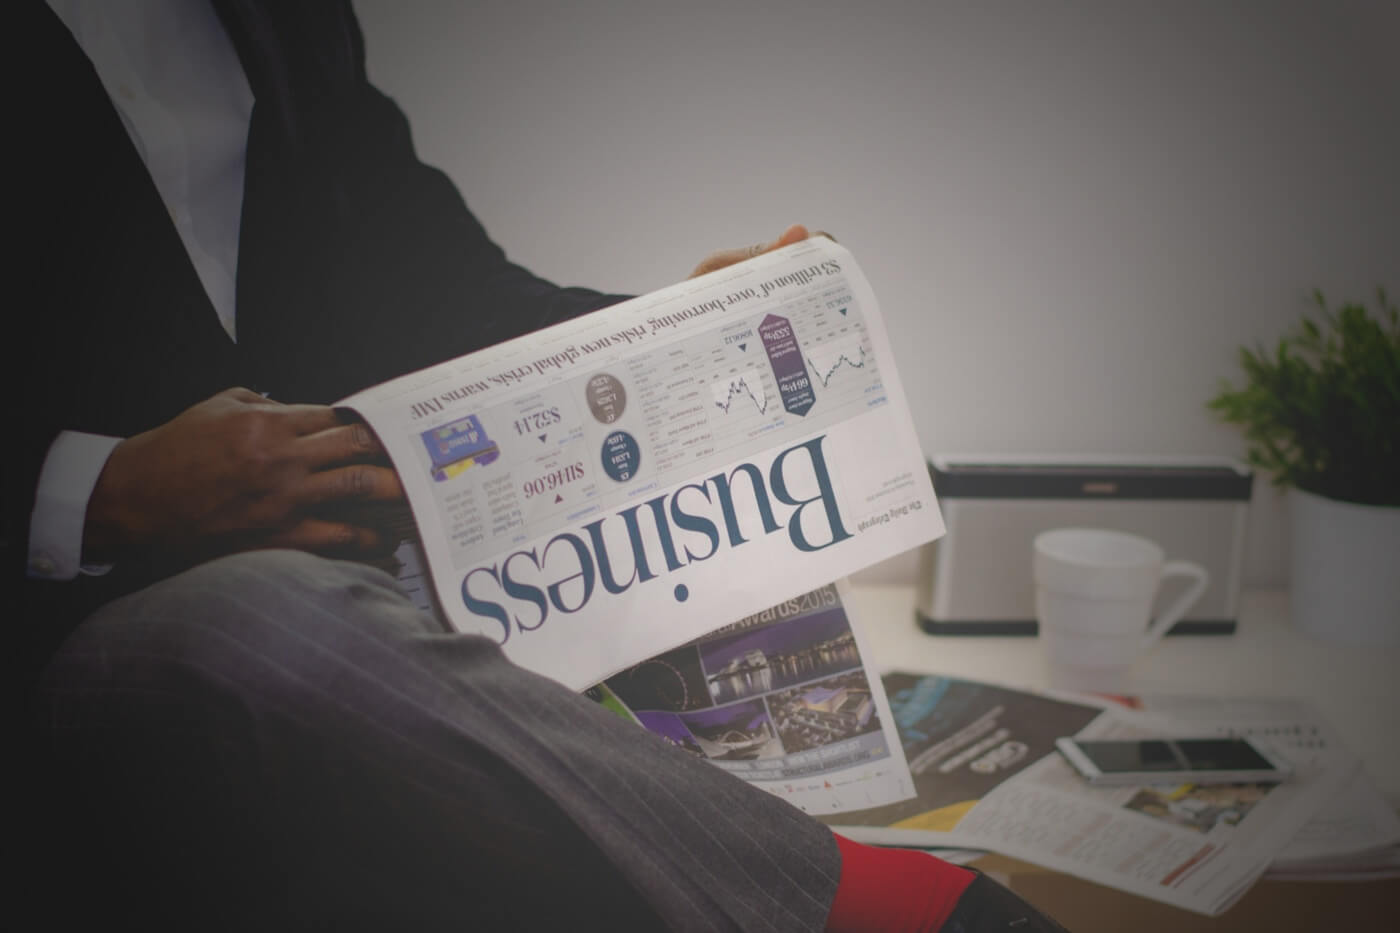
1174,755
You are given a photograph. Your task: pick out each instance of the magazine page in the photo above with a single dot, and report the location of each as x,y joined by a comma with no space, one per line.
962,739
598,492
1199,847
782,699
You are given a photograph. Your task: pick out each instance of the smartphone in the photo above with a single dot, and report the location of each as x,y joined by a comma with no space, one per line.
1173,761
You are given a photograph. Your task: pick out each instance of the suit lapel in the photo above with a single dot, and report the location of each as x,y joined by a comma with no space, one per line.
299,57
267,236
265,62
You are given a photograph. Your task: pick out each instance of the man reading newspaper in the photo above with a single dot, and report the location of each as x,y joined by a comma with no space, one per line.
238,725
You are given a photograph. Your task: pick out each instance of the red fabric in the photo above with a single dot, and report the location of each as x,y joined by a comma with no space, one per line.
893,890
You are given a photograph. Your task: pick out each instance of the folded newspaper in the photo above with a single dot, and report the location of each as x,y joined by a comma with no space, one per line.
596,495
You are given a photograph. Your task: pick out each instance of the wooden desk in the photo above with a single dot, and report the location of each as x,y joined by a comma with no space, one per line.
1268,907
1356,689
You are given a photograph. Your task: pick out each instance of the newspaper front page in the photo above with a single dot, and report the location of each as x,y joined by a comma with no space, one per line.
986,777
599,493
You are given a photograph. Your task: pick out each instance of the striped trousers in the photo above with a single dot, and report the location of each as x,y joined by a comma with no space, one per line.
275,740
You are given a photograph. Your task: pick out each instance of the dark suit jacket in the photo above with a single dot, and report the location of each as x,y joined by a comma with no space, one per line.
356,263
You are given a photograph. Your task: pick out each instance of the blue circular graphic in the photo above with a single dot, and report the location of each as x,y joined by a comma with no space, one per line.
621,456
682,592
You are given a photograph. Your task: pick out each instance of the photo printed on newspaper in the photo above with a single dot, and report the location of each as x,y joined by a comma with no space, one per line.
783,699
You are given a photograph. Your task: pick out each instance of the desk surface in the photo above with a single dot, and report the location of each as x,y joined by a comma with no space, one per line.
1356,689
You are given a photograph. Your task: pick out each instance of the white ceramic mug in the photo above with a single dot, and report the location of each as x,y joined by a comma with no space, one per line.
1094,591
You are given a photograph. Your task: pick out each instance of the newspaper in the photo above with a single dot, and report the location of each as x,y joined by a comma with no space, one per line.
781,699
986,778
596,494
1354,833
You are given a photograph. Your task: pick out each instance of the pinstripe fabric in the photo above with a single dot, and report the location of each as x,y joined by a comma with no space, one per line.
278,740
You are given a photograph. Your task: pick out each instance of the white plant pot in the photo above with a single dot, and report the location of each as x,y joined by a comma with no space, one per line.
1345,571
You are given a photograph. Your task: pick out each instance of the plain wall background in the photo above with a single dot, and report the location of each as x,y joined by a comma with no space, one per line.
1072,213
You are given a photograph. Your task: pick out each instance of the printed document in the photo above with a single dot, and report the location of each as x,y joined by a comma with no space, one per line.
596,495
781,699
987,777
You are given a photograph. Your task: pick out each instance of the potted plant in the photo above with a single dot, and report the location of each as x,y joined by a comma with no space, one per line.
1321,414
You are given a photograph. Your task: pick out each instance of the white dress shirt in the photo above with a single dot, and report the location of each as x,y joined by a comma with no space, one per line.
175,78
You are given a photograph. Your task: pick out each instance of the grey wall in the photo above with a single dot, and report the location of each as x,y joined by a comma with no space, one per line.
1072,213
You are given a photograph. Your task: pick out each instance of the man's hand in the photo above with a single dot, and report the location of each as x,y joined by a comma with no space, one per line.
727,257
238,472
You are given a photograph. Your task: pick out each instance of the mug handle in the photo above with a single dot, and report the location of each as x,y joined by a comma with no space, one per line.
1169,616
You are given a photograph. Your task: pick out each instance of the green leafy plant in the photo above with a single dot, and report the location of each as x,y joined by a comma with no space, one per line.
1322,413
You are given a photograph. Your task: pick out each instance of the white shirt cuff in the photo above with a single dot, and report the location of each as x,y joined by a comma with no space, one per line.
70,472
